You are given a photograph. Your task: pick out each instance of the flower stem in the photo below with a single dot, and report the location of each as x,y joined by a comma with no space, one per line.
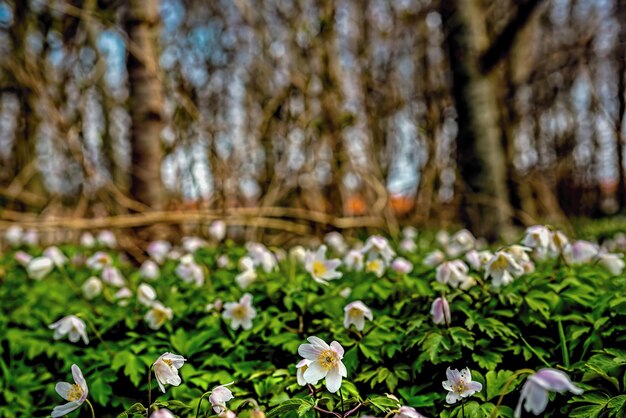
341,397
463,408
200,403
93,414
350,412
149,390
535,352
508,383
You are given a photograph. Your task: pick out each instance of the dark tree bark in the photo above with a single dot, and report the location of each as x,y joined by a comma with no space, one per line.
145,103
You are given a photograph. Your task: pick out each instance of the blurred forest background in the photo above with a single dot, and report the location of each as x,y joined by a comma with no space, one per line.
307,115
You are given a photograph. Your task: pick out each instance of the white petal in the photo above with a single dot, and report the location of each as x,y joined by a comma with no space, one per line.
333,380
314,373
62,388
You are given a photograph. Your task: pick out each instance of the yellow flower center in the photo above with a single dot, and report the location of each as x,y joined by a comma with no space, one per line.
239,312
328,359
500,263
160,316
167,361
460,387
354,313
373,266
75,393
319,268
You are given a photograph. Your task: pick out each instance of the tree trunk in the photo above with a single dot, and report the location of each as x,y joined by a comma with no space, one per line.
480,154
145,103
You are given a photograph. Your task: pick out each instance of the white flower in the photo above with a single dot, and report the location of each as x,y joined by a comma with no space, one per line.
613,263
354,260
558,242
162,413
146,294
228,414
378,245
325,363
434,258
87,240
408,245
123,296
336,242
298,254
356,313
538,237
460,243
580,252
375,265
158,250
440,311
246,278
345,292
459,385
478,259
72,326
166,369
92,288
261,256
39,267
409,232
23,258
99,260
240,313
30,237
300,369
408,412
401,265
149,270
442,237
503,269
75,393
107,239
217,230
111,275
13,235
535,390
454,273
58,258
158,315
320,268
219,396
189,271
193,244
223,261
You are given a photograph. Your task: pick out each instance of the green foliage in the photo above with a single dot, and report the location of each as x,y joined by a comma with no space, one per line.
558,316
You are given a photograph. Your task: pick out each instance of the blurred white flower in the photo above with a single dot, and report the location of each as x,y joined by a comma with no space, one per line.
246,278
99,260
13,235
219,396
478,259
189,271
440,311
146,294
537,386
166,369
162,413
123,296
375,265
401,265
409,232
460,385
298,254
538,238
111,275
442,237
87,240
453,273
434,258
321,269
23,258
223,261
193,244
503,269
107,239
558,242
354,260
614,263
580,252
158,250
377,245
75,394
217,230
72,326
345,292
356,313
261,256
336,242
39,267
30,237
408,412
460,243
158,315
408,245
92,288
240,313
58,258
149,270
325,363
